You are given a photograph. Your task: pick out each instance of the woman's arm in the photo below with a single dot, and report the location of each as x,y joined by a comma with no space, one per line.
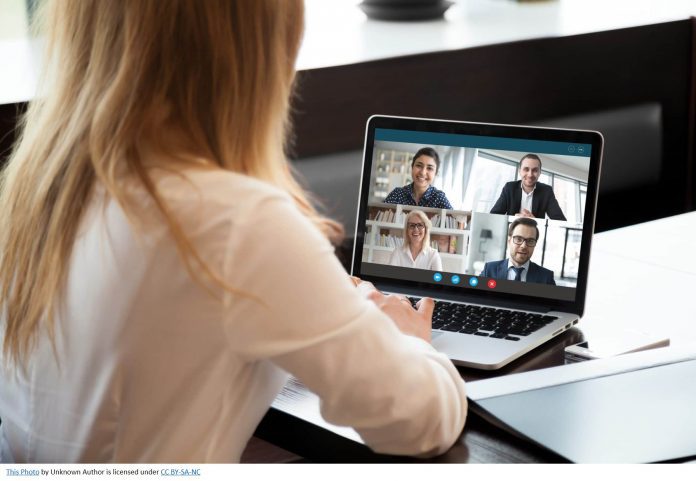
401,395
395,257
436,261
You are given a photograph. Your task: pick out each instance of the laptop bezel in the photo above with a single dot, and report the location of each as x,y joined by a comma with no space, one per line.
478,295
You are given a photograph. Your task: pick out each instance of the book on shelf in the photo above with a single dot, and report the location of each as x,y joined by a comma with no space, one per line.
386,240
389,216
461,221
447,244
453,244
384,215
458,222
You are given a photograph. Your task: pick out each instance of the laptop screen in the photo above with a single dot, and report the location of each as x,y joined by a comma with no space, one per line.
477,209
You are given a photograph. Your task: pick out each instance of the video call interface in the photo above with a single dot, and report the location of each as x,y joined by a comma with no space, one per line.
475,212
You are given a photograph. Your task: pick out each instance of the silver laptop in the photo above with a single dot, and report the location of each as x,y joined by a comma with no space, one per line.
493,221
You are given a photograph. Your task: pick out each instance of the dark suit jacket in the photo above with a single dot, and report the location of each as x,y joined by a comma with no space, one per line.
499,270
543,202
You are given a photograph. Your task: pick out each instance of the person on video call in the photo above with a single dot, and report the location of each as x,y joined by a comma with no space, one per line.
528,197
416,251
523,234
162,273
420,192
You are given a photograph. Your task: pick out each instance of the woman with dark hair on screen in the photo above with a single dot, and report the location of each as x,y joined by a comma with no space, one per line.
420,192
161,270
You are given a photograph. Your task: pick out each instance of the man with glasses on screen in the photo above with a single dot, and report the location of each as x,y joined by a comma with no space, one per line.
528,197
523,235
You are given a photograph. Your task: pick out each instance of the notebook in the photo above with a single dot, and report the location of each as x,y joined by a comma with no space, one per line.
634,408
494,222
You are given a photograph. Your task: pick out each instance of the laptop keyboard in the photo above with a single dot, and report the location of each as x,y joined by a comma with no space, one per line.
486,321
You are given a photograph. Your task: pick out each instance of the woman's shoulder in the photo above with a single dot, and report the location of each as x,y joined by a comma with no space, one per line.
437,198
437,192
203,198
398,192
218,187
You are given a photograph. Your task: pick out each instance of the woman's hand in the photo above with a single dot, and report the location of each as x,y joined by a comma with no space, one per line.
415,322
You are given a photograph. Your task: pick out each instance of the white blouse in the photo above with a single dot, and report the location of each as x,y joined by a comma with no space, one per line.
152,367
428,258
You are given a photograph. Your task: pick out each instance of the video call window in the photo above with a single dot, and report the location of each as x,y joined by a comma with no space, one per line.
488,173
473,232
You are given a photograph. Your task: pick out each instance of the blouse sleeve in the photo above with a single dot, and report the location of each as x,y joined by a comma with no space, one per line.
394,257
392,197
298,308
436,263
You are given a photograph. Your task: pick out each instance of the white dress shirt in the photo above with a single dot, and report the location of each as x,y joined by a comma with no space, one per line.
526,202
428,258
152,367
511,271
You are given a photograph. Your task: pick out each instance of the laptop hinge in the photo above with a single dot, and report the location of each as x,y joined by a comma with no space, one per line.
446,296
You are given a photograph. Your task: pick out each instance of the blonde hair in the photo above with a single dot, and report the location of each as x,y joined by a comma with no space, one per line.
217,74
426,221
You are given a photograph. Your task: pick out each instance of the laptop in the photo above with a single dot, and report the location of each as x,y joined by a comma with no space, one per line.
443,212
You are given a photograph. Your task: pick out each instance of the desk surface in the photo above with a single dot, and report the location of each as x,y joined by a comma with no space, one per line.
640,276
643,276
338,33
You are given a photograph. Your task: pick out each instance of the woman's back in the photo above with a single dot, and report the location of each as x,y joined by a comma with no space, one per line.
154,292
151,341
177,373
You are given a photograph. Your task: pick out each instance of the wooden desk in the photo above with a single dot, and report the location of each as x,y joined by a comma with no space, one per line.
640,276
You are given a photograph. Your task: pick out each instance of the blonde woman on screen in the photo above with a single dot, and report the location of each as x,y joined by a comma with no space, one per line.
416,251
162,271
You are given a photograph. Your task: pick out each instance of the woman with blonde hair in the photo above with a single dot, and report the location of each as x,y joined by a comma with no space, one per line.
416,251
161,270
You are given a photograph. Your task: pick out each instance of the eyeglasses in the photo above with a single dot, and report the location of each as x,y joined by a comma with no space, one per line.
517,239
418,227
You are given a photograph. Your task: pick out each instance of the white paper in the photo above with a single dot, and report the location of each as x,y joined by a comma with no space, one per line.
514,383
295,399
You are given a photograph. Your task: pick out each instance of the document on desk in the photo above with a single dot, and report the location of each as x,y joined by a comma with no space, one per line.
634,408
295,399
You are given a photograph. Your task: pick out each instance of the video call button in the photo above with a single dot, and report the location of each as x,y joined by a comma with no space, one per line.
437,277
473,281
492,283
